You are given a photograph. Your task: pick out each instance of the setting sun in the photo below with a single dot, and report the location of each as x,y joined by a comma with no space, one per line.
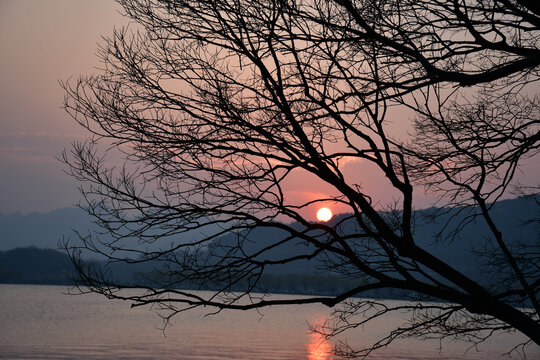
324,214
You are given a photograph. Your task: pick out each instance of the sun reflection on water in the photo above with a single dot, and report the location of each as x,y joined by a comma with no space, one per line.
319,348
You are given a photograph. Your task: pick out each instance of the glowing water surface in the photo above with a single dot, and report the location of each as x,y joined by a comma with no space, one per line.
40,322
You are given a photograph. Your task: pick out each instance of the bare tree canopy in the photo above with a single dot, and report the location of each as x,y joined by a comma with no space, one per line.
215,105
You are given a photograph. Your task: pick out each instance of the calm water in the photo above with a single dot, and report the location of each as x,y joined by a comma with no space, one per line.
40,322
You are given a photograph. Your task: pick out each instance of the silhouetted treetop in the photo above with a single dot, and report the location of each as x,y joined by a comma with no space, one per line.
216,106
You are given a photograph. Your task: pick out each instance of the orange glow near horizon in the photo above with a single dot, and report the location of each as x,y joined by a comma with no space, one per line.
324,214
319,348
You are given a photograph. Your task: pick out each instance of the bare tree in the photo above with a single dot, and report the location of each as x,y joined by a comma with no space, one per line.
216,104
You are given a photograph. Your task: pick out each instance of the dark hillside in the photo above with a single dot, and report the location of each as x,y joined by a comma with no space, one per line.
35,266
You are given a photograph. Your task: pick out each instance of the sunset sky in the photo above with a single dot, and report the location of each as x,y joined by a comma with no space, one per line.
43,42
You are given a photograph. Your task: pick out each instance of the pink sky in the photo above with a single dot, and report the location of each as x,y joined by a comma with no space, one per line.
43,42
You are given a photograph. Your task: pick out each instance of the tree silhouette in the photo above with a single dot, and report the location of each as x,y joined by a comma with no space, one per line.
215,105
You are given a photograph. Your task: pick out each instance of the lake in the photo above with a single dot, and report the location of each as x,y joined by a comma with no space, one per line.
41,322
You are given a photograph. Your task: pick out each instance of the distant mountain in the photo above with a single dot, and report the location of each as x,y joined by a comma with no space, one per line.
42,230
517,219
510,216
48,266
45,230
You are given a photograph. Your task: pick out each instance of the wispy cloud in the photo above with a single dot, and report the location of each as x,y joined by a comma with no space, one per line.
42,147
38,134
20,154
